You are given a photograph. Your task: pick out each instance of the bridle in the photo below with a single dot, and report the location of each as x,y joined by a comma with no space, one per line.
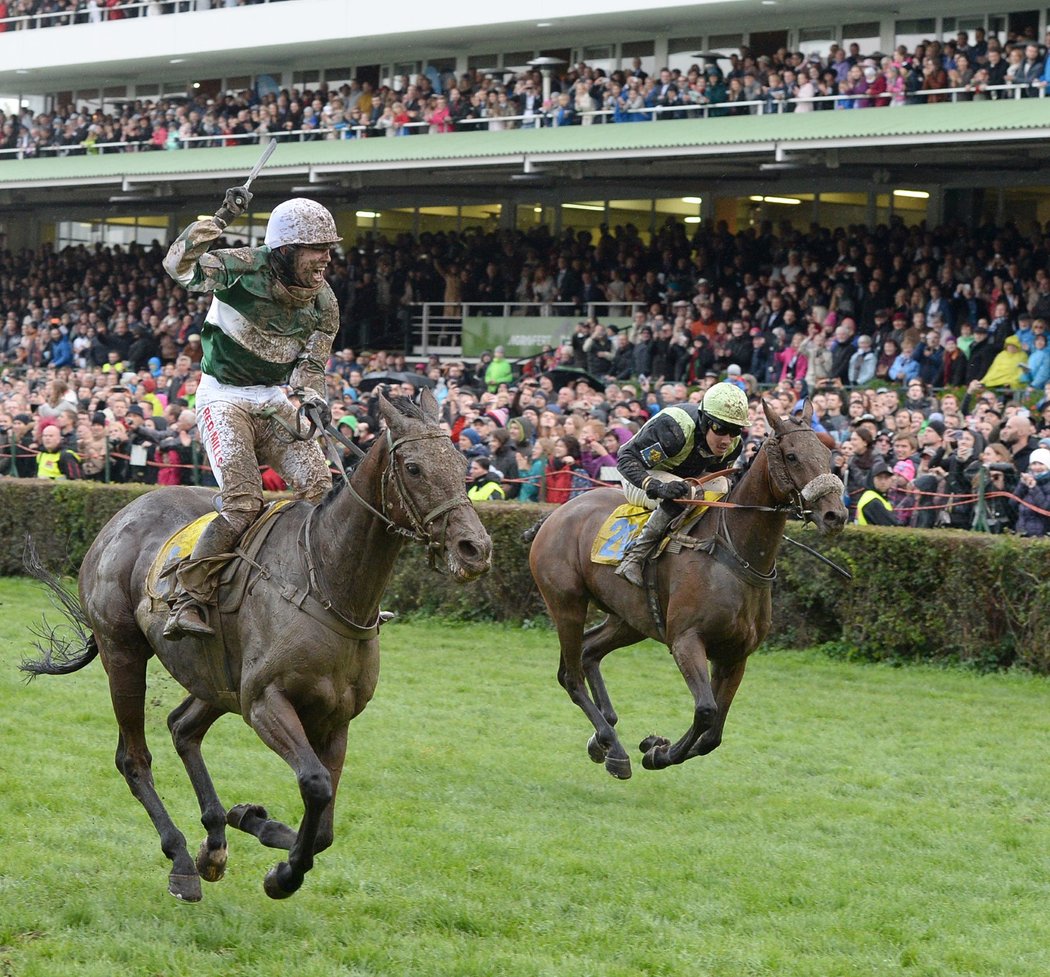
781,485
392,487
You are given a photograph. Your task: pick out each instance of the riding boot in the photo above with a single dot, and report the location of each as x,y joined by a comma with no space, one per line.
196,580
633,562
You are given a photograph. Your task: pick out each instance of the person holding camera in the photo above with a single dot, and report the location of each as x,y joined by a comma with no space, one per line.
682,441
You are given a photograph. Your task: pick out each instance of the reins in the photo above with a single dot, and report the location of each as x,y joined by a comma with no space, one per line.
799,499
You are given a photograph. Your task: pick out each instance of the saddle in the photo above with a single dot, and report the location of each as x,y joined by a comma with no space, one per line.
626,521
233,582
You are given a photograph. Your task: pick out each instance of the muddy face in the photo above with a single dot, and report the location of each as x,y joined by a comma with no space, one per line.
309,264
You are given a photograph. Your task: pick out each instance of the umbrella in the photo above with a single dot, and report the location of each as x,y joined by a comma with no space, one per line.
371,380
561,376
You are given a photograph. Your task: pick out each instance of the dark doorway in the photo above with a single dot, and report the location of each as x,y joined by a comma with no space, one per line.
766,42
369,73
1023,26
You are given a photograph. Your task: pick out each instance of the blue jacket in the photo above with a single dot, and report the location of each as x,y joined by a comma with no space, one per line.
904,368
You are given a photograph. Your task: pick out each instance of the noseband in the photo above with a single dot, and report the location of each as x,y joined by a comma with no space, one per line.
781,485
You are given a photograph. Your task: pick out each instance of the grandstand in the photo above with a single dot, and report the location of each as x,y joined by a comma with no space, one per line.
965,160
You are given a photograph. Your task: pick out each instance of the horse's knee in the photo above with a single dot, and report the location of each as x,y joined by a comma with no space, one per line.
705,715
315,786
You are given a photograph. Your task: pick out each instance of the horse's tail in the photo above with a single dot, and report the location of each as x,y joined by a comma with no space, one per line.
60,654
530,534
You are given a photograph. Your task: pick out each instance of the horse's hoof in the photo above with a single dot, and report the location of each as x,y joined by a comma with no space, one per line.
211,862
595,750
653,740
185,887
619,767
272,883
235,815
657,758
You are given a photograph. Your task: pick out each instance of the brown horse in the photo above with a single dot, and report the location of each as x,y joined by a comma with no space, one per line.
712,598
301,655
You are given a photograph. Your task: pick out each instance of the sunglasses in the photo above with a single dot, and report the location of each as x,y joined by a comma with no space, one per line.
721,428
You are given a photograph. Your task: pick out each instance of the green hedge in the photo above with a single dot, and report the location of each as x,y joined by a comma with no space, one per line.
917,595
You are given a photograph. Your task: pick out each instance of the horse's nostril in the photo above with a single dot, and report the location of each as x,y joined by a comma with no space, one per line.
469,551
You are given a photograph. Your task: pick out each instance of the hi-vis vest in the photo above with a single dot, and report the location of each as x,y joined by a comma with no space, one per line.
486,491
47,464
864,500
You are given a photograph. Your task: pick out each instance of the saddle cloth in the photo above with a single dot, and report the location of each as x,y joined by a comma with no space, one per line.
180,545
625,522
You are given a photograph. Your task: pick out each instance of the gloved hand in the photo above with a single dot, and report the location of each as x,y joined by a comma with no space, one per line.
667,490
235,204
317,404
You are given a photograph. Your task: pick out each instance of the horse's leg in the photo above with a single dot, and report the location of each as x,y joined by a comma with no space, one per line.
598,641
690,655
278,725
126,670
189,723
603,746
724,683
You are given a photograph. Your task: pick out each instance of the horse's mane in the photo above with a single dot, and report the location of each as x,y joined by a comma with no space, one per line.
408,407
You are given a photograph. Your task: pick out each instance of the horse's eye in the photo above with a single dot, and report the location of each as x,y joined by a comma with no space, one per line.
413,469
791,456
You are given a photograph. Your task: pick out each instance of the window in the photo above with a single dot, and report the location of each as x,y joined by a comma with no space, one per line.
866,35
817,40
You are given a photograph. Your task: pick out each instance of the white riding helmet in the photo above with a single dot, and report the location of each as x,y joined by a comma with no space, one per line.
300,221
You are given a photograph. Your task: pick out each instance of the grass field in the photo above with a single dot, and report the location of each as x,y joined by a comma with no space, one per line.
857,820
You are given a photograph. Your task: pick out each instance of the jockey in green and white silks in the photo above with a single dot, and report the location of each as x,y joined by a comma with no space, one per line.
271,323
683,441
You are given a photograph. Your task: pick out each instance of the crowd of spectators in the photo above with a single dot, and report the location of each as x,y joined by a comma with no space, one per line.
923,350
433,103
17,15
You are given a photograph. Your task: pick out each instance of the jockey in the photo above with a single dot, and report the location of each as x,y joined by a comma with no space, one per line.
683,441
271,323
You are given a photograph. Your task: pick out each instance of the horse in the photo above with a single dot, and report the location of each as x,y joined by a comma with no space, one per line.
710,603
301,655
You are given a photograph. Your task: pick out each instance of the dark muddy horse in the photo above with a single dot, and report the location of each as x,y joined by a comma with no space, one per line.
302,653
713,596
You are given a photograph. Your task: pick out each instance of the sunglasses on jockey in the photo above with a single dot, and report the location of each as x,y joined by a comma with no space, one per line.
722,428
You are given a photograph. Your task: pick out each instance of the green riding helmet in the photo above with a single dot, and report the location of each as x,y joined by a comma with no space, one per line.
726,402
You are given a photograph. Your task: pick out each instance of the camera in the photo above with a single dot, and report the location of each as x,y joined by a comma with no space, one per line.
1002,468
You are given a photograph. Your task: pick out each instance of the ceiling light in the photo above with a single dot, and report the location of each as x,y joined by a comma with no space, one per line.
599,209
691,200
176,61
367,214
692,220
545,23
916,194
775,200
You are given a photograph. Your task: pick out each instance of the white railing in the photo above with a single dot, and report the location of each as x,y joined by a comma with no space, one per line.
535,121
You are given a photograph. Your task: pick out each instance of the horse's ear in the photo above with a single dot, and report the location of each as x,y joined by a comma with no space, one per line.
807,413
773,419
428,402
389,413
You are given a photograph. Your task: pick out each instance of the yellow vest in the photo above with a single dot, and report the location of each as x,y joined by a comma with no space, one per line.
486,492
47,464
864,500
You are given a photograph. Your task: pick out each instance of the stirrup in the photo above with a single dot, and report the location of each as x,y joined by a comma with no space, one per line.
186,622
